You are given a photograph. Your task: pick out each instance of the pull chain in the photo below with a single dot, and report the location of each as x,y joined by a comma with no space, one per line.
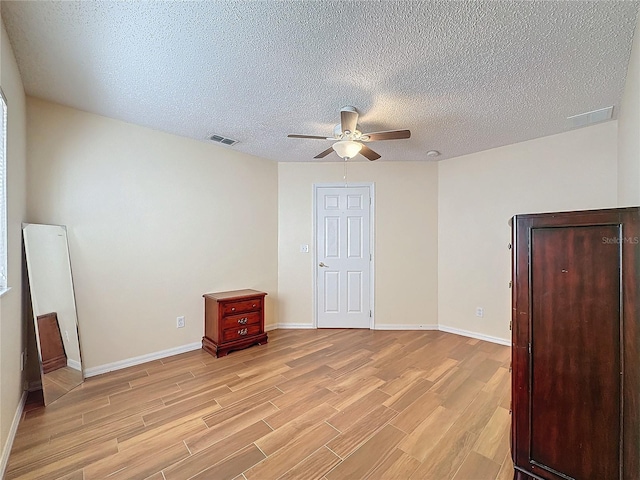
345,171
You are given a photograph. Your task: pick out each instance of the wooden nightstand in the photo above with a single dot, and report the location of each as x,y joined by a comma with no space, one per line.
233,320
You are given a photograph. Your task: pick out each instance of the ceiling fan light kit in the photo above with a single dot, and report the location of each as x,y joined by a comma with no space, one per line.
348,137
347,148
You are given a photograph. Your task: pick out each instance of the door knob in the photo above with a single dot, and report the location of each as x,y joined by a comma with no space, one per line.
323,265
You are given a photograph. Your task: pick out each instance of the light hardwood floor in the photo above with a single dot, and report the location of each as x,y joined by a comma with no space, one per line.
311,404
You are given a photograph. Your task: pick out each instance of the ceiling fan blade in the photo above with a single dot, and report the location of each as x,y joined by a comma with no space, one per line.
348,119
307,136
390,135
368,153
325,153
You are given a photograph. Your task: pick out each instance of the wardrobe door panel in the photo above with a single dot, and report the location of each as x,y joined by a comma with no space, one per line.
576,345
575,351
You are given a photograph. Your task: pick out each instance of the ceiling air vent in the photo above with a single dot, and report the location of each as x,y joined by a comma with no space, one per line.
589,118
223,140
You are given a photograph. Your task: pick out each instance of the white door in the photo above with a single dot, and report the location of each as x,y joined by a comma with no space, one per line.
343,256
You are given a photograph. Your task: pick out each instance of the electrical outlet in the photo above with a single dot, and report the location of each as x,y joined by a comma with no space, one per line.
22,361
180,322
304,248
479,312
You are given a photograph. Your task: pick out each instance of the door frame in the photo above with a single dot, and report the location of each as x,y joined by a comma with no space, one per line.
371,187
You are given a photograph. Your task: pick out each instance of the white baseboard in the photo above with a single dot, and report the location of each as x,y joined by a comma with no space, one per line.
392,326
74,364
4,460
292,326
479,336
268,328
130,362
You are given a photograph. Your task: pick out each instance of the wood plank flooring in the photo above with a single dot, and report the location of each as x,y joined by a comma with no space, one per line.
310,404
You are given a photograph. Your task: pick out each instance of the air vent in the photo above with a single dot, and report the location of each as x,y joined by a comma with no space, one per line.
223,140
589,118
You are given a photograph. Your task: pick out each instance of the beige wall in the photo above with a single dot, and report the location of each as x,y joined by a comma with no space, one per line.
154,221
406,255
479,193
12,338
629,132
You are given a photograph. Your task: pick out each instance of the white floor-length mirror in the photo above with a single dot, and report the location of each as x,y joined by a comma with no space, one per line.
54,308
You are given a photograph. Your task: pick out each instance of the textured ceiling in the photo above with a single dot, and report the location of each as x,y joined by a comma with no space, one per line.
462,76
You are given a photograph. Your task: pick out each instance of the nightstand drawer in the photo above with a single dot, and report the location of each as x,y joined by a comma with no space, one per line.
242,320
231,308
239,332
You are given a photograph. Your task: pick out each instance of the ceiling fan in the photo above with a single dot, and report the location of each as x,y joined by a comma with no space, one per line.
349,139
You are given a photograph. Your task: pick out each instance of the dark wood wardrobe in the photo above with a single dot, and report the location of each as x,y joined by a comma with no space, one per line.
575,350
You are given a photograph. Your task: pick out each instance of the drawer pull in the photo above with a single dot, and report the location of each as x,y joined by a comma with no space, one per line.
243,331
253,306
233,309
243,320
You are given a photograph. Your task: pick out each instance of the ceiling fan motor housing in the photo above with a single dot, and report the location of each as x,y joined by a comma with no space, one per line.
355,135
